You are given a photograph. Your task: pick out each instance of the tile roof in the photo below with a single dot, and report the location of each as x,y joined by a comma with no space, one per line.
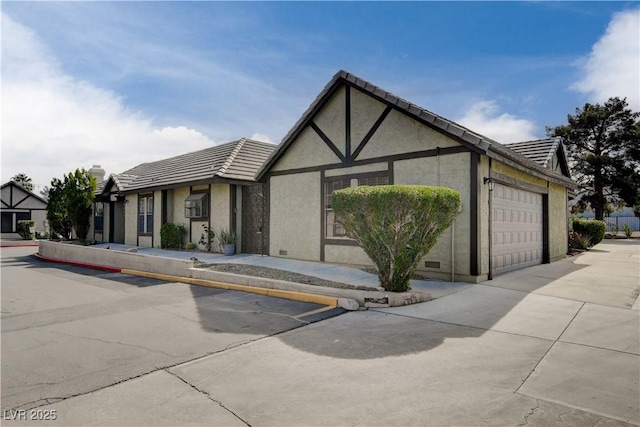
236,160
540,151
466,136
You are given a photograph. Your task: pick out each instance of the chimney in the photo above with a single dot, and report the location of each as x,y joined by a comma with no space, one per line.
98,173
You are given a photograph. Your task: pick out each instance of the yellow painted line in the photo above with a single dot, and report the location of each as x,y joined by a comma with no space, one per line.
316,311
331,302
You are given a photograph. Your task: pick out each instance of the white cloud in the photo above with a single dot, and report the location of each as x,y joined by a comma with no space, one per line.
262,137
53,123
613,66
483,117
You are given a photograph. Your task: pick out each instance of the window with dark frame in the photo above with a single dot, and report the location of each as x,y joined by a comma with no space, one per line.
197,206
98,217
333,230
145,214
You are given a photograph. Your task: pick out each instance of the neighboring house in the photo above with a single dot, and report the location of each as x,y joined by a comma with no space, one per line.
514,208
19,204
213,187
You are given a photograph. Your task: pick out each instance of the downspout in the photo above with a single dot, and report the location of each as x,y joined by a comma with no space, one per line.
453,264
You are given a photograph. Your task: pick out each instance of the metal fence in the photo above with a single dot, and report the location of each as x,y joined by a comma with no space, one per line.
617,223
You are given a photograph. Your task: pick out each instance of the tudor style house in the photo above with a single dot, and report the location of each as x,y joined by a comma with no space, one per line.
19,204
514,198
213,187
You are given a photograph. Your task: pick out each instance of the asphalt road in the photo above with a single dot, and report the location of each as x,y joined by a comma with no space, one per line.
68,331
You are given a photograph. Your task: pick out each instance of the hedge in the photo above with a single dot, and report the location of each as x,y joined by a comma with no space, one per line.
591,228
396,225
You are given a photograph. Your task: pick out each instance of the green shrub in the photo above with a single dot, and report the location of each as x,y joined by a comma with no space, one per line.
627,231
172,235
591,228
23,229
396,225
190,246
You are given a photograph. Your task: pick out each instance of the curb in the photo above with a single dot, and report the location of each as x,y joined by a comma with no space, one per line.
78,264
290,295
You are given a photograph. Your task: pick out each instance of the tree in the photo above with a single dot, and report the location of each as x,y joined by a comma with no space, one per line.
70,204
396,225
23,180
602,144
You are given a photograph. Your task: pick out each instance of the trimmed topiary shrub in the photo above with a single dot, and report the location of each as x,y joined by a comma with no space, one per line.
172,235
396,225
591,228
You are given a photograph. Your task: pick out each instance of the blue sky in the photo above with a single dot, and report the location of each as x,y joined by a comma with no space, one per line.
121,83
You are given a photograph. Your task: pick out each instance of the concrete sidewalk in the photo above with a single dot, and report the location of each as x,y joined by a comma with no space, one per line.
335,273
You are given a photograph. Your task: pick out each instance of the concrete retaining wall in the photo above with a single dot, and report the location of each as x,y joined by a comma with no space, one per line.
116,259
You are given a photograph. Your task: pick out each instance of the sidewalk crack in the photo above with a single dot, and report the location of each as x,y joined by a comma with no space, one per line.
206,393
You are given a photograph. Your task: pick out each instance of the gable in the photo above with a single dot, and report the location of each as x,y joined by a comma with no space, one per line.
308,150
16,197
399,134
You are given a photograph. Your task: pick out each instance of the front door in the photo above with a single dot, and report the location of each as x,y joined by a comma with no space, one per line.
255,221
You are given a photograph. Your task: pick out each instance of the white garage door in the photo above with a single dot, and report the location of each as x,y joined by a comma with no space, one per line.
516,229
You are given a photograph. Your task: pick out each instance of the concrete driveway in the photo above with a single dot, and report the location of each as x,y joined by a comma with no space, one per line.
551,345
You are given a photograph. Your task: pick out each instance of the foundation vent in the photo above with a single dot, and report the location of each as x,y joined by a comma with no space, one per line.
432,264
283,252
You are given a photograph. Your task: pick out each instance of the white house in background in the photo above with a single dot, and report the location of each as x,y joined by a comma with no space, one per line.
18,204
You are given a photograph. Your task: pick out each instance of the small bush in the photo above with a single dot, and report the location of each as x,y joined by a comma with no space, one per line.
396,225
172,235
627,231
190,246
581,241
23,229
591,228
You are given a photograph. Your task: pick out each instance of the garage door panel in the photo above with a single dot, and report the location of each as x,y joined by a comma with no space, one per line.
517,237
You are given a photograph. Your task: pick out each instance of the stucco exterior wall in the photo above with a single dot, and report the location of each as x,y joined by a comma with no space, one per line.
294,216
367,110
558,227
307,150
399,134
332,120
346,255
177,209
483,221
451,171
131,219
157,217
220,206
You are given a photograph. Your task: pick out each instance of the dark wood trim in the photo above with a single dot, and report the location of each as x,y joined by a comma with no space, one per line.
391,172
371,132
490,237
516,183
340,242
3,202
165,208
322,209
396,157
558,179
266,203
112,222
11,195
21,200
347,124
468,145
373,174
474,241
232,208
546,256
327,141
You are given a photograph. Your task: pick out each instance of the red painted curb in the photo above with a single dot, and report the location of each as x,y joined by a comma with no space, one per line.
18,246
79,264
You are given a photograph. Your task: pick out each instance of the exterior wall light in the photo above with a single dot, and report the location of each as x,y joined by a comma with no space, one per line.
491,183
